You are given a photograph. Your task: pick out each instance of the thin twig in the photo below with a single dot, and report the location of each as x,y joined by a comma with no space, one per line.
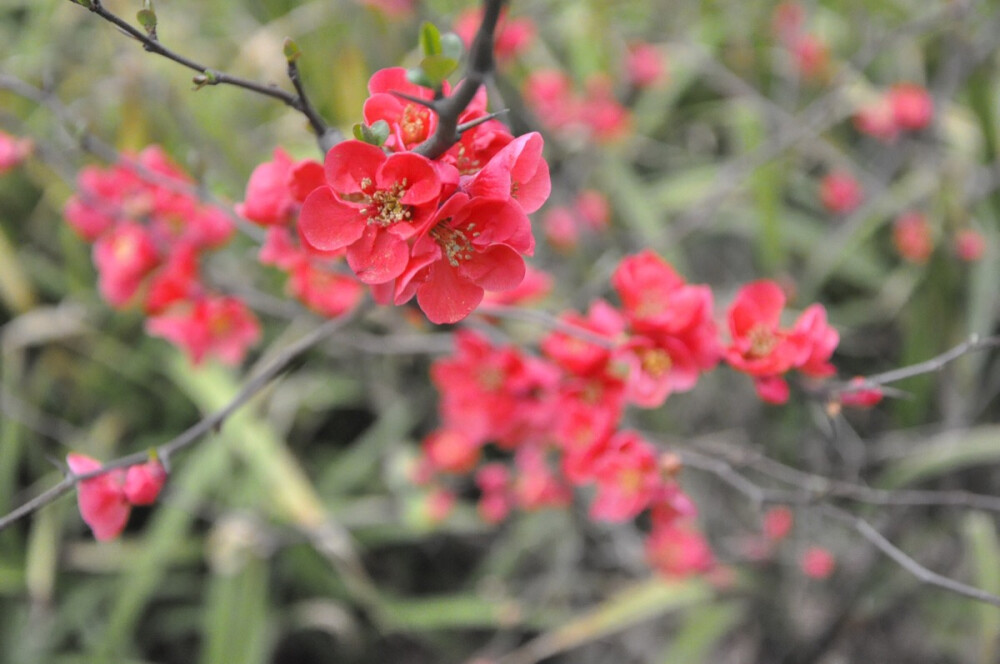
901,558
208,424
970,345
548,320
479,67
210,76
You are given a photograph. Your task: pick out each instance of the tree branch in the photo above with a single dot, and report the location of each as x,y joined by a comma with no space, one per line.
479,66
194,433
208,76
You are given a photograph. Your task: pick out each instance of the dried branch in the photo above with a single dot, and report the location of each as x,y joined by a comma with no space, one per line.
479,67
325,136
210,423
970,345
760,495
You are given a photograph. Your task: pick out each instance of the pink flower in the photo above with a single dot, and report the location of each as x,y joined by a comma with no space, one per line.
644,65
810,54
451,451
371,206
862,397
593,208
276,188
472,245
912,106
410,123
143,482
561,228
517,172
106,500
678,549
970,245
818,563
911,234
840,192
627,476
218,325
101,499
13,151
878,120
124,256
513,36
778,523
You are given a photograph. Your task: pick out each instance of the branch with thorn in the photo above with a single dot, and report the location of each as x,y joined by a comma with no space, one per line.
478,68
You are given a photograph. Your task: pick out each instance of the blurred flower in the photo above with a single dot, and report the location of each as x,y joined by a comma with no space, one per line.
912,106
863,397
13,151
817,563
911,234
970,245
878,120
644,65
840,192
778,523
513,35
810,54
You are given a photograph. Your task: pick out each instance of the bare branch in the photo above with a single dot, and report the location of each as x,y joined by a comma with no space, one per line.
923,574
211,423
210,76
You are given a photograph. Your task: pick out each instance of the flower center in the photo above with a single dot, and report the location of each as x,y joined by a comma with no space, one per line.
762,341
455,244
413,124
384,206
655,361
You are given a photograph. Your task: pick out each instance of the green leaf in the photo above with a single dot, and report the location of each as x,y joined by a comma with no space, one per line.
147,19
430,39
452,46
291,50
375,134
438,68
419,77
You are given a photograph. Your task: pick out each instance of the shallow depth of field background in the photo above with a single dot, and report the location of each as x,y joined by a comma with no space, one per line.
719,174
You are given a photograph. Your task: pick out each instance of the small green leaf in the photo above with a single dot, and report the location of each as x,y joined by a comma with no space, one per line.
451,46
419,77
85,3
437,68
380,132
291,49
430,39
147,19
375,135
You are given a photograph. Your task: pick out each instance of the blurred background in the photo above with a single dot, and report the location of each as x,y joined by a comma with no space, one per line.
845,148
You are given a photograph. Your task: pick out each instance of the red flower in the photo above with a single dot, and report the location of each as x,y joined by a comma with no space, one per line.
678,549
810,53
143,482
911,233
970,245
912,106
778,523
220,326
627,476
840,192
518,172
276,188
472,245
878,120
862,397
124,257
513,35
759,347
644,64
101,499
818,563
372,205
13,151
410,123
451,451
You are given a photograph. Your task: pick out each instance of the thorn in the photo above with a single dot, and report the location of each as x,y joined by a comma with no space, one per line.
415,100
465,126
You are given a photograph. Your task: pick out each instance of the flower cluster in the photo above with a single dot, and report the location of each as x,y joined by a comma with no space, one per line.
766,351
594,114
106,500
444,231
904,107
149,232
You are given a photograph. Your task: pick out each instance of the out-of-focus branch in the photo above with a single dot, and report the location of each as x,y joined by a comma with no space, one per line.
759,495
479,67
970,345
325,136
210,423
